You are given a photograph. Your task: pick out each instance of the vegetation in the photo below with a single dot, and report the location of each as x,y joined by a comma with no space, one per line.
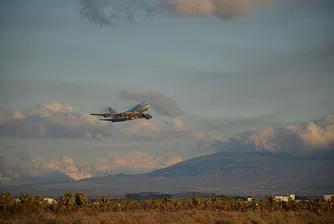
78,209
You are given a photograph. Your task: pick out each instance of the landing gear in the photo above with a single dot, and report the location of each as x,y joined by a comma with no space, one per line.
147,116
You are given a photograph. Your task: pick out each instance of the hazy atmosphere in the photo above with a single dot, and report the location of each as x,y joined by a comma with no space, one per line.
220,76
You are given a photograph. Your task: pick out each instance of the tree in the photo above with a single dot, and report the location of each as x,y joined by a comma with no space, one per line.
81,199
5,201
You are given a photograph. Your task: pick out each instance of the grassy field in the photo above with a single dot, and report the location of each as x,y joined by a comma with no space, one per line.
76,208
180,217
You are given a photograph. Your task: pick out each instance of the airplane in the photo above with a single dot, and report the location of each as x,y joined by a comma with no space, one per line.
137,112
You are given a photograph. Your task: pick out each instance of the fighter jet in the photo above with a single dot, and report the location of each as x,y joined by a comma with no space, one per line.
137,112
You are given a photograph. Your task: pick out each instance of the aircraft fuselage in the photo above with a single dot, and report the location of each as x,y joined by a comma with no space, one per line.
142,107
137,112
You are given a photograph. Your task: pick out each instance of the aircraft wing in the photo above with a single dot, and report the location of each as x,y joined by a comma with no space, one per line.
113,119
106,119
116,114
131,113
105,114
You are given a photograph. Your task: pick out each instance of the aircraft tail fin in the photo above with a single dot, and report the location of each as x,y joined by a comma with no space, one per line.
112,110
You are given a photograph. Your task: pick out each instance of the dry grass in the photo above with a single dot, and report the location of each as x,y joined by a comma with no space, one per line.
181,217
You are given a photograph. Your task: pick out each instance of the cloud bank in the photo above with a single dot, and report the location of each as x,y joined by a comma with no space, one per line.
300,138
106,12
52,120
21,167
56,120
223,9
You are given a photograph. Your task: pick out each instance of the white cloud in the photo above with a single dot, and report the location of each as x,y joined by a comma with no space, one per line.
225,9
14,168
297,138
107,12
59,121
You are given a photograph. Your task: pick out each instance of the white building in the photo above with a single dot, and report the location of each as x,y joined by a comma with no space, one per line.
285,197
50,200
328,196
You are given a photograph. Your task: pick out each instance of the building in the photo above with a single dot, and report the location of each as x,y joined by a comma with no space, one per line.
302,198
50,200
285,197
328,196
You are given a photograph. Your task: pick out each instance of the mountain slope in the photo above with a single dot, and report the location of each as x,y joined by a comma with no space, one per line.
224,162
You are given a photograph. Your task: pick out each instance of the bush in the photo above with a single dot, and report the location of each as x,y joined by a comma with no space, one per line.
73,202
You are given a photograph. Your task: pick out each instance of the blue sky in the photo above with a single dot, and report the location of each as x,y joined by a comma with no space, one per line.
276,64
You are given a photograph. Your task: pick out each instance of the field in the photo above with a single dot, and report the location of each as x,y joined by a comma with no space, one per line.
76,209
180,217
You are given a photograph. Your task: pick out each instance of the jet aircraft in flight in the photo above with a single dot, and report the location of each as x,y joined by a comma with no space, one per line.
137,112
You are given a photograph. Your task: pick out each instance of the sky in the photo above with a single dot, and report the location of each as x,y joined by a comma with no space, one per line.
207,70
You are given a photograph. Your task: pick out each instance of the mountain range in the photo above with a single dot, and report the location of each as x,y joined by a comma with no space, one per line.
295,158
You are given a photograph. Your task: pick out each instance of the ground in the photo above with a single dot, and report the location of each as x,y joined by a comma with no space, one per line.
181,217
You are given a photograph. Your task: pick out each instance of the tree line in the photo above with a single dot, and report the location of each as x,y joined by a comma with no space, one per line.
70,202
